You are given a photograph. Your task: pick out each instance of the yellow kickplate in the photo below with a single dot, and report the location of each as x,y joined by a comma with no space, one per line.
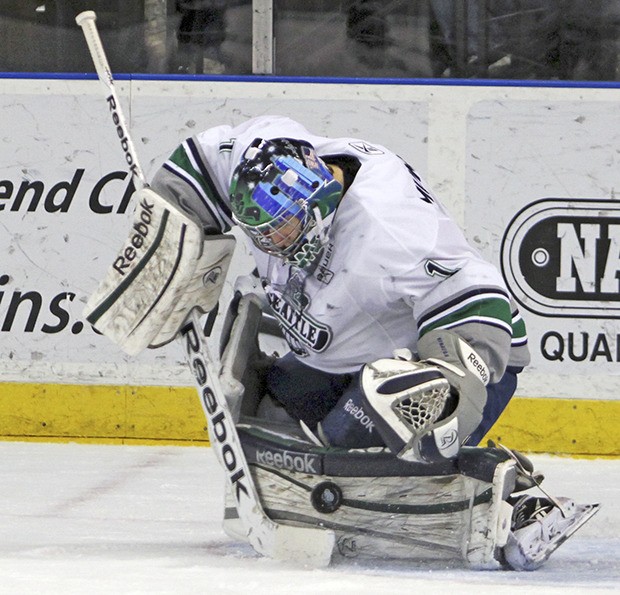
562,426
88,413
173,415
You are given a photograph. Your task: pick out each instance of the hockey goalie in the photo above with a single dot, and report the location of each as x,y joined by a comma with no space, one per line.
402,348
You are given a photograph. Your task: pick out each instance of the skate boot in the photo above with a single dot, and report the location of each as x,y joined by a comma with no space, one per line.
540,526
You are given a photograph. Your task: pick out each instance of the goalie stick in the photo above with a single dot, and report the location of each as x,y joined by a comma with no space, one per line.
312,546
87,21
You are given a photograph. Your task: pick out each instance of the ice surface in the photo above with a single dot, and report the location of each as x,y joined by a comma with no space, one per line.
135,519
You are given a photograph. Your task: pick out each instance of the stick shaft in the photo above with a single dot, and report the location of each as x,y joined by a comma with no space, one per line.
308,545
87,21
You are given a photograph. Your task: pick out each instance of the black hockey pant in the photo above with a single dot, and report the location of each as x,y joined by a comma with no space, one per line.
335,400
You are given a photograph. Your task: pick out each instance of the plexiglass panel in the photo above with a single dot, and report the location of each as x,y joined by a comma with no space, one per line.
505,39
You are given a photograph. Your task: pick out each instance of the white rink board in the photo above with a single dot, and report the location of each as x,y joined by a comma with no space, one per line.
558,163
487,152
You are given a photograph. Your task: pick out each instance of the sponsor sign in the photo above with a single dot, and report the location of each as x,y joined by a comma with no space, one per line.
543,208
561,257
65,209
40,282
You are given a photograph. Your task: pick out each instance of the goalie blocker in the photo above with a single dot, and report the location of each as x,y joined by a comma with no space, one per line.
165,268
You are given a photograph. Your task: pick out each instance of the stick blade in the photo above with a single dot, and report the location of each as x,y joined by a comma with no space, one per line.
304,546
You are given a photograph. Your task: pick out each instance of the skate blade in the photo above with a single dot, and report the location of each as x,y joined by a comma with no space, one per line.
583,513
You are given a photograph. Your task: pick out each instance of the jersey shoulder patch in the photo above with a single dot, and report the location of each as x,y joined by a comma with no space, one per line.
366,148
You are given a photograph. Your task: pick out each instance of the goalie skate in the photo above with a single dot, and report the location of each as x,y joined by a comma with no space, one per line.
540,527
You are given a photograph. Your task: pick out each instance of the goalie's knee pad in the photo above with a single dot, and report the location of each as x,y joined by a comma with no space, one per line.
243,364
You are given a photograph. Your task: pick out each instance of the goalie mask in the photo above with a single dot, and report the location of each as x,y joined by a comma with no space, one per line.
284,197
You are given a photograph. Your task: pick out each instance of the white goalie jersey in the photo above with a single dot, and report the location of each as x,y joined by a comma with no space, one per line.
395,267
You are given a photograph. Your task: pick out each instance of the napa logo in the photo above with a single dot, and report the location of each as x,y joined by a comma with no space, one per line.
562,258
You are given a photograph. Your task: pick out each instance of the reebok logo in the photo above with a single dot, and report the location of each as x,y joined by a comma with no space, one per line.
141,227
447,438
220,424
122,135
367,148
284,459
358,413
475,365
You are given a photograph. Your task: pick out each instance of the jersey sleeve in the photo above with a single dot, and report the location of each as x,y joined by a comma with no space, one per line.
197,174
446,281
472,303
190,179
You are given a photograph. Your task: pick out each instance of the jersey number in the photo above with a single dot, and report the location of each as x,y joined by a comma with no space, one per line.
433,268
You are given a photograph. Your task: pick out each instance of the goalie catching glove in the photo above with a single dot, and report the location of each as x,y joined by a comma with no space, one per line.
164,270
425,410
